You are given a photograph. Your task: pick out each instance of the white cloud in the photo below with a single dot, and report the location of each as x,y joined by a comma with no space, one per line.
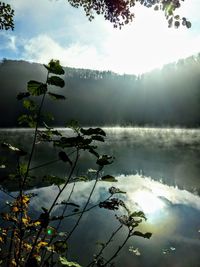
131,184
43,48
8,41
139,47
53,29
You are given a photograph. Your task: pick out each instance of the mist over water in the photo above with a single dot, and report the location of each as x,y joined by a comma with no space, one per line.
158,168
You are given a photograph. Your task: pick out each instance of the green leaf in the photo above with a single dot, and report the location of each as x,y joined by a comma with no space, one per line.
82,178
44,218
109,178
188,24
104,160
92,151
23,168
63,156
28,120
73,124
93,131
56,96
57,81
176,24
113,190
146,235
54,67
60,246
22,95
36,88
29,104
170,21
156,7
53,179
65,262
177,17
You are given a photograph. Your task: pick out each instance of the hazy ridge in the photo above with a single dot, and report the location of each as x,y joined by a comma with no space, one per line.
165,97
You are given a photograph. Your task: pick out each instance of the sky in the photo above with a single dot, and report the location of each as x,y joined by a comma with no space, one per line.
53,29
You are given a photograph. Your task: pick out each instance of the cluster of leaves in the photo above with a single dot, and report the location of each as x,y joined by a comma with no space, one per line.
33,240
129,219
169,7
120,12
35,88
126,218
117,12
6,17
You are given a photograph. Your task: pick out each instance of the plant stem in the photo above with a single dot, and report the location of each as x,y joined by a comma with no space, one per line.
54,202
20,214
66,183
65,208
57,227
105,245
85,207
92,207
118,250
34,138
10,247
5,192
44,164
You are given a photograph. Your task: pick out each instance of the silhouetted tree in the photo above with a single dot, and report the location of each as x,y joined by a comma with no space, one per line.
118,12
6,17
121,12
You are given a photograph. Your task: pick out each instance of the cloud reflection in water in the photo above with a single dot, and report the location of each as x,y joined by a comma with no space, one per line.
173,218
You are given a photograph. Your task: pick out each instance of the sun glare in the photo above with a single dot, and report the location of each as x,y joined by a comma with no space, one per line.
147,44
148,202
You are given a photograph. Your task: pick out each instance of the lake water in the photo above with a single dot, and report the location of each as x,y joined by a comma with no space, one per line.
159,169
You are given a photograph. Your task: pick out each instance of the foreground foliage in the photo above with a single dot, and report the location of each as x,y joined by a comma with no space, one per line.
6,17
118,12
121,12
28,239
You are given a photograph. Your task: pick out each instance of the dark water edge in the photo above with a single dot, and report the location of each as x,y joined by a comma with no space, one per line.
159,170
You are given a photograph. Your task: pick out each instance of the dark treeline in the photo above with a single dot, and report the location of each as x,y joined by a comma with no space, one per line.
164,97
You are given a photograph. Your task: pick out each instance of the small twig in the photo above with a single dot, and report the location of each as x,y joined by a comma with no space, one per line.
44,164
67,181
65,208
105,245
20,214
10,247
57,227
5,192
90,208
34,138
54,203
118,250
85,207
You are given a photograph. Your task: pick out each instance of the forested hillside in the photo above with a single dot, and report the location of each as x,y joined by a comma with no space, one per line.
164,97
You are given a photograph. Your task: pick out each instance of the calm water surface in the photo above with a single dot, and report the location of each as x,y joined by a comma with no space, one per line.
160,171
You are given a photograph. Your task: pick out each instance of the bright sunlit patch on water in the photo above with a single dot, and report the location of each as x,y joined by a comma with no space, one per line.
148,202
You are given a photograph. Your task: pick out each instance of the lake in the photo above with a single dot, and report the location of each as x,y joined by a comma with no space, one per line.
159,169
